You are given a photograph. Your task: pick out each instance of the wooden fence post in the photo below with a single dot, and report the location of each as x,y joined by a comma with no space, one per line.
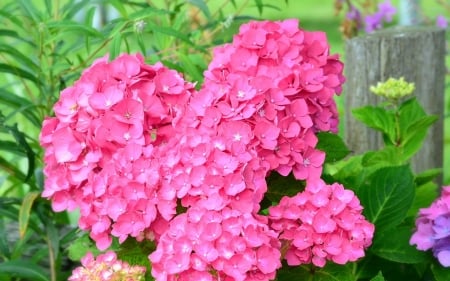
417,54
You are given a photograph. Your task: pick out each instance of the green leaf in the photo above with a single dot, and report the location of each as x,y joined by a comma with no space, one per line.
14,70
427,176
259,5
202,6
387,196
20,139
378,277
377,118
136,253
5,253
114,49
393,244
388,156
171,32
24,269
333,146
190,68
331,272
413,139
440,273
20,105
81,246
68,25
12,170
425,195
25,210
279,186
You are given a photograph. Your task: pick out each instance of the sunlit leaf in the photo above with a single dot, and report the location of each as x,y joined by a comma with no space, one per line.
333,146
19,72
25,210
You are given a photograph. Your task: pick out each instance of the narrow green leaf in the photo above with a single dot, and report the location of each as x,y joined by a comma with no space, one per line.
25,210
30,10
24,269
72,26
114,49
378,277
6,68
20,139
259,5
393,244
377,118
12,147
171,32
18,56
52,238
73,7
5,253
12,170
387,196
20,105
202,6
118,5
190,68
333,146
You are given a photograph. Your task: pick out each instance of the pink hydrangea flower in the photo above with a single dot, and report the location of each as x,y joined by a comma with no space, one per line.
324,222
433,228
109,144
217,245
280,81
106,267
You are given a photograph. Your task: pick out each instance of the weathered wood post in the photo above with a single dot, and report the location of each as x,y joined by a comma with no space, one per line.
409,12
417,54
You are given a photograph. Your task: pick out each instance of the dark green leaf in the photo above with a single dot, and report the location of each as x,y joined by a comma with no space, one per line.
12,147
331,272
379,277
387,196
377,118
12,170
20,139
427,176
20,105
24,269
279,186
5,253
333,146
393,244
19,57
440,273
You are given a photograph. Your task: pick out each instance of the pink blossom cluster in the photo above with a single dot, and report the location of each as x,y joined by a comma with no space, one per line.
143,154
278,82
217,245
106,267
433,228
324,222
110,144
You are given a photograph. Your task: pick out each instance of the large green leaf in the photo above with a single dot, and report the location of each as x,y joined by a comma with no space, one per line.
387,196
393,244
440,273
333,146
24,269
377,118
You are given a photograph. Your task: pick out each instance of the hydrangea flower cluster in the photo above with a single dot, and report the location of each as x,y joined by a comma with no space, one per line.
143,154
217,245
106,150
433,228
106,267
324,222
278,81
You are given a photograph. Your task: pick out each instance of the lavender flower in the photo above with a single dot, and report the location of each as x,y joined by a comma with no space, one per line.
384,14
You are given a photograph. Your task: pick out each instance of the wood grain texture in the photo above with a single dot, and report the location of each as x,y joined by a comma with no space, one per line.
417,54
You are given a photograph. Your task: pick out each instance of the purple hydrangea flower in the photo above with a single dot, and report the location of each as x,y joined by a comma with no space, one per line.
433,228
441,21
384,14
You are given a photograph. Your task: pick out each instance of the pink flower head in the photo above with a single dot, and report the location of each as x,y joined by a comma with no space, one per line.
324,222
433,228
227,243
101,148
278,80
106,267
